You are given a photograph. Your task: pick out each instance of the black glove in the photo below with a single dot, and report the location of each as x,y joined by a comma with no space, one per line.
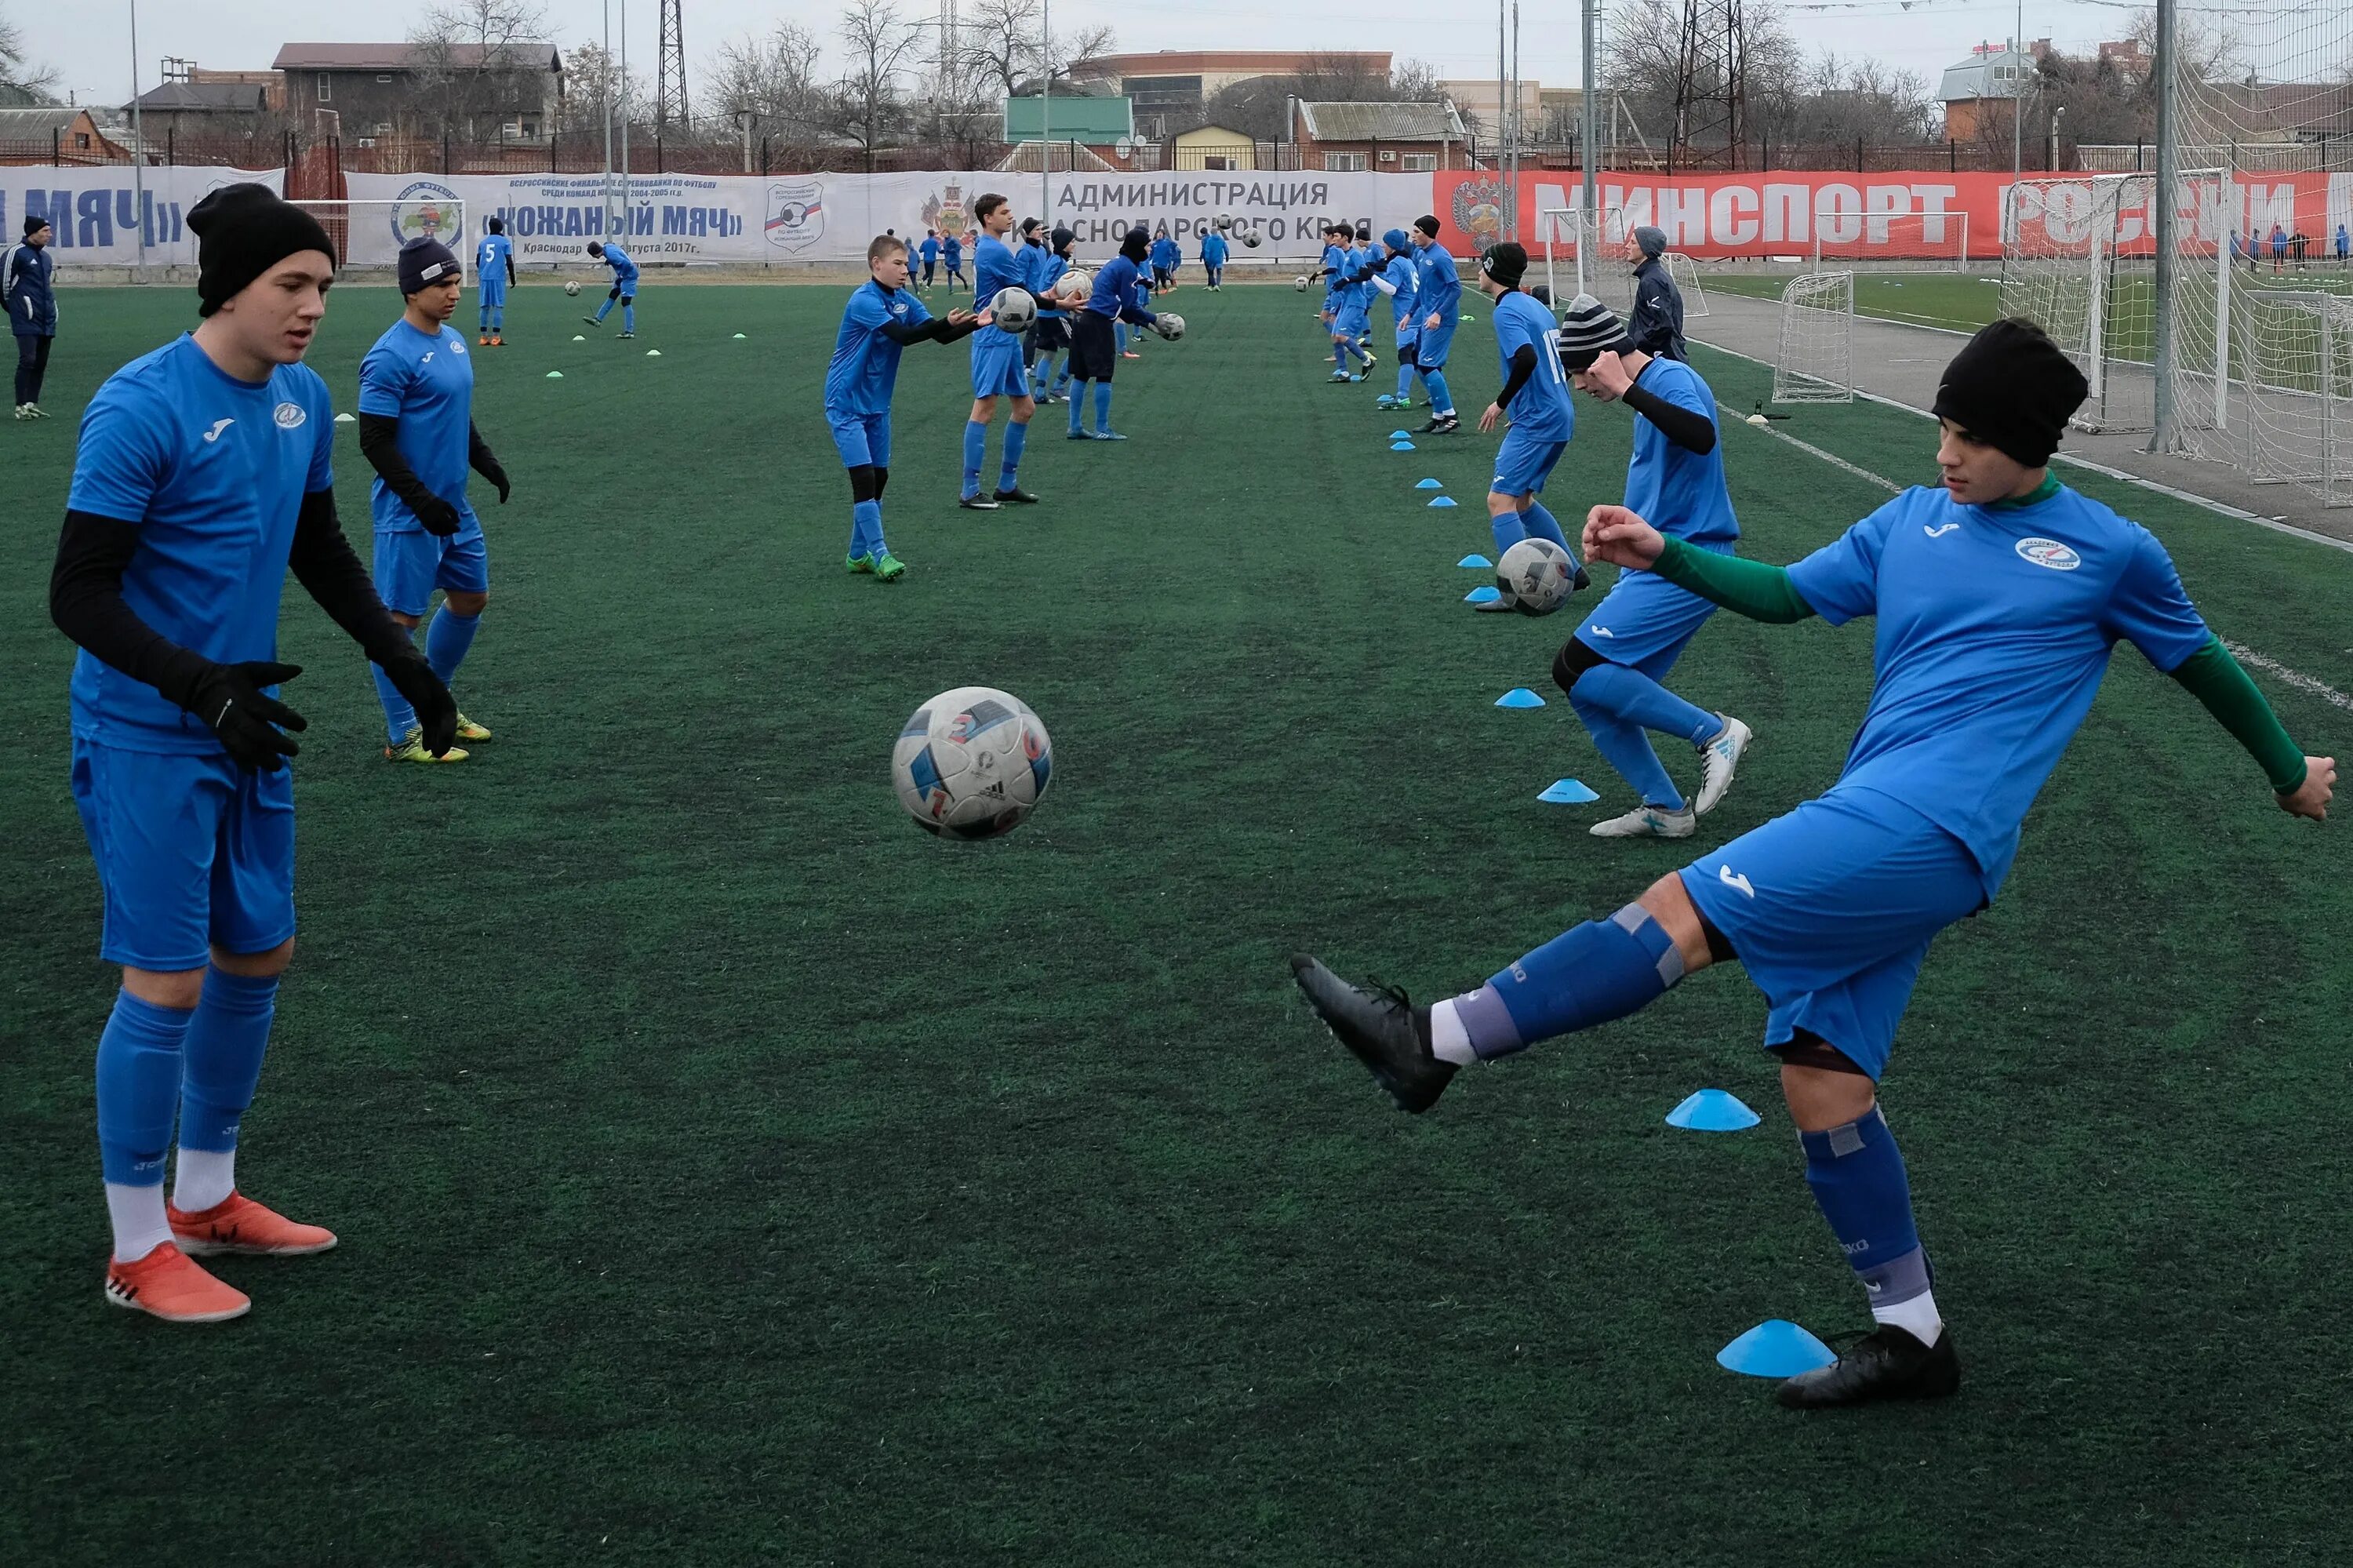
230,699
439,517
437,710
498,476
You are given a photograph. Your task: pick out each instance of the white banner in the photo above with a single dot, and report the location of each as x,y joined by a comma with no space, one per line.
787,219
98,212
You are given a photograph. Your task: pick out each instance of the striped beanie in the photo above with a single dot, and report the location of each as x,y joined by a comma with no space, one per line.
1589,332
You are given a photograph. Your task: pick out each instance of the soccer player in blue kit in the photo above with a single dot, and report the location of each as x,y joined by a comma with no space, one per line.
1093,356
494,273
953,247
625,286
1051,335
1396,283
1536,396
883,316
204,474
1343,304
931,257
1214,251
417,430
1613,667
997,368
1999,596
1437,295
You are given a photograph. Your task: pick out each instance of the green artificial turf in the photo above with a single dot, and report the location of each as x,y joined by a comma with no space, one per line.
728,1172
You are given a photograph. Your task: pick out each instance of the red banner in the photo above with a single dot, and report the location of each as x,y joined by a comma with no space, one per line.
1912,215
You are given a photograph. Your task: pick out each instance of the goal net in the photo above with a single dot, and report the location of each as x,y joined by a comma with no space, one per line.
1816,363
369,234
2080,261
2296,352
1896,241
1586,254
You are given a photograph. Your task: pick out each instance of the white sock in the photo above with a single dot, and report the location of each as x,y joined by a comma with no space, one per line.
203,1177
1449,1041
1916,1317
139,1223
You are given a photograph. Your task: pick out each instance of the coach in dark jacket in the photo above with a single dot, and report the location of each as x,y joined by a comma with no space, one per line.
32,312
1656,321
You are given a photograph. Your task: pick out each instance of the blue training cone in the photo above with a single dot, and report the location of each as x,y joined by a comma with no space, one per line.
1569,792
1399,435
1441,501
1475,559
1487,594
1400,446
1713,1110
1519,697
1775,1348
1429,484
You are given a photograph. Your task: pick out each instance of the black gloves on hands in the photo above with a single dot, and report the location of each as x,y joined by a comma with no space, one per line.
439,516
437,710
229,698
498,476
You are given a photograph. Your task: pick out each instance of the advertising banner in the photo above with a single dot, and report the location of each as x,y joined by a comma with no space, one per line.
98,213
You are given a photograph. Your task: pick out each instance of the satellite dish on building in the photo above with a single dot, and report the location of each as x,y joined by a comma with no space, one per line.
1125,145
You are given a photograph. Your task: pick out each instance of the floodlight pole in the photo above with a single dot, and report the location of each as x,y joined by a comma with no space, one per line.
2166,436
1591,134
625,117
606,87
1045,120
139,148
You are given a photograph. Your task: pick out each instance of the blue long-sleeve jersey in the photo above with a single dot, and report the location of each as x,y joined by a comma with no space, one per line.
1116,292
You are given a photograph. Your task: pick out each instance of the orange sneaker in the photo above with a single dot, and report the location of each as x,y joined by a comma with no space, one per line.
482,342
497,342
236,1224
168,1284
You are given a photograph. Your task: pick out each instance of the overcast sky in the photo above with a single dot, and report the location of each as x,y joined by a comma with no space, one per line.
87,40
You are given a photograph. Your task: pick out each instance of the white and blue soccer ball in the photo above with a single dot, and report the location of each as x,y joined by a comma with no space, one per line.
1014,310
972,762
1224,221
572,287
1300,284
1536,576
1169,325
1075,284
1250,238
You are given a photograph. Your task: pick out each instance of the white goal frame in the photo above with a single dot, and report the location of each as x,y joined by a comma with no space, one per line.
1816,362
2296,350
1551,220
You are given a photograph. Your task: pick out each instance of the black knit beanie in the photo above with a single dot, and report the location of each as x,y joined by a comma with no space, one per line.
423,263
1427,225
242,231
33,224
2013,389
1507,263
1135,245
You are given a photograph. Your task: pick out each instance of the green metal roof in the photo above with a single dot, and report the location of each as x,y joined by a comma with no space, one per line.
1074,118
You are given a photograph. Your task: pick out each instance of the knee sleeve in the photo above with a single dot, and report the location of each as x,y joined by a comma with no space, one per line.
881,481
1407,356
615,294
863,485
1576,656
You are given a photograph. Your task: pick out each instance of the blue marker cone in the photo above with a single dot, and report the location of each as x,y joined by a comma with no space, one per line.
1775,1348
1519,697
1713,1110
1399,435
1487,594
1569,792
1442,501
1475,559
1429,484
1400,446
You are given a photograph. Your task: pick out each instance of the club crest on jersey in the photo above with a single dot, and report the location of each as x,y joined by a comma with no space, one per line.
290,415
796,218
2048,553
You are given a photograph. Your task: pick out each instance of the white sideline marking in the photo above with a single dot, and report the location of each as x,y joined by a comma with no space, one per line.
2284,674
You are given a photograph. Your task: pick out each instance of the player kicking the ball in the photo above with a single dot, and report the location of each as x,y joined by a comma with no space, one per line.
417,430
883,317
625,287
204,473
1999,597
1611,669
1536,396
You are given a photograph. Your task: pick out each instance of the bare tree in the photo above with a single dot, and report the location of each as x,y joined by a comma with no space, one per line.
592,80
998,44
1070,50
479,64
21,81
868,106
773,79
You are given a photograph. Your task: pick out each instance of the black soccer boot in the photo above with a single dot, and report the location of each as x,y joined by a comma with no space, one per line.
1389,1035
1886,1363
1015,496
976,501
1444,425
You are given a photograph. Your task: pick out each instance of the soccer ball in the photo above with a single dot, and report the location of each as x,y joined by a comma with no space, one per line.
1075,284
972,762
1251,240
1171,326
1014,309
1299,284
1224,221
1536,576
573,287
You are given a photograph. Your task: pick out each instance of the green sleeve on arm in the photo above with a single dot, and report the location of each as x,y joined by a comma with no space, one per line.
1754,589
2215,679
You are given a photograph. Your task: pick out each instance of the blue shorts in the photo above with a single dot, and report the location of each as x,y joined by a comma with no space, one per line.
494,288
1644,623
627,287
860,439
1429,350
1523,462
1408,335
1351,320
192,851
1832,908
996,364
409,567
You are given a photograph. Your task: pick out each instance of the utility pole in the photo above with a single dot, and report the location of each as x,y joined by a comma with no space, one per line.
625,120
1591,133
606,87
2168,438
138,146
669,94
1045,117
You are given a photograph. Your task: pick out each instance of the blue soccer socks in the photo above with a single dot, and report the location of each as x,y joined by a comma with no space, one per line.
1017,437
1859,1183
1405,381
1442,401
498,318
138,1089
866,530
446,639
1598,971
628,315
1102,406
220,1065
602,310
1079,410
1625,748
399,718
1543,525
1616,704
975,449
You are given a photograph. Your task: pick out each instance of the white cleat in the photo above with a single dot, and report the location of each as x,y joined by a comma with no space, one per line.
1649,822
1719,759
